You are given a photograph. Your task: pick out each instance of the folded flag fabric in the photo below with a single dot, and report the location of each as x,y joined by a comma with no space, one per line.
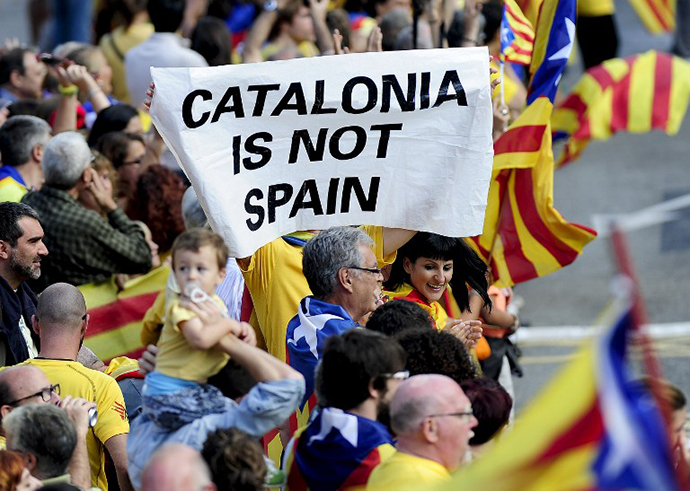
657,15
338,450
524,237
637,94
517,35
593,427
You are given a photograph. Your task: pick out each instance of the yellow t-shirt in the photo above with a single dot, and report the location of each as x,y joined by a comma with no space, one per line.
115,46
11,190
78,381
595,8
406,471
176,358
275,280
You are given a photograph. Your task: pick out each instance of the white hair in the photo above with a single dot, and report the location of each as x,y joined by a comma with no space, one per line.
66,157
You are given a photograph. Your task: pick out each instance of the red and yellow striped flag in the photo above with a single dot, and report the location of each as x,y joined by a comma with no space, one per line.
657,15
115,316
635,94
517,35
524,236
530,8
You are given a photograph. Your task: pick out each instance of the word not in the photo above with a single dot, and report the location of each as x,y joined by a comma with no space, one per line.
255,145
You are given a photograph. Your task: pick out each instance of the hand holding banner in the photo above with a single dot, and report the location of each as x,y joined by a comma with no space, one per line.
393,139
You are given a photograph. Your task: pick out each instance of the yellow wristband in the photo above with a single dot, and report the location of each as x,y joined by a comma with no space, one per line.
71,90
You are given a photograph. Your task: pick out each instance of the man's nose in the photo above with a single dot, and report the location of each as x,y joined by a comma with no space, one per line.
43,250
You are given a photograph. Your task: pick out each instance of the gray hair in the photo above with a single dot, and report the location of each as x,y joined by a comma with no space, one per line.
327,253
19,136
65,158
406,417
45,431
192,212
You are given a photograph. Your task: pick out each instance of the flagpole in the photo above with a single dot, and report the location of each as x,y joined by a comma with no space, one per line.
640,321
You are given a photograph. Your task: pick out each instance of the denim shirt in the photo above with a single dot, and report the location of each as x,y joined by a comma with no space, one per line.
266,406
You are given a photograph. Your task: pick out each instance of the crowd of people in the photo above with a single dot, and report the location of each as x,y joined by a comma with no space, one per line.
373,357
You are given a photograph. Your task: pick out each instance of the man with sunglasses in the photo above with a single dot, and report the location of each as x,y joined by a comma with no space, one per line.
433,421
24,385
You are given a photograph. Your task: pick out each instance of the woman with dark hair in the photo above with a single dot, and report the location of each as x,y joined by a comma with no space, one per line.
422,273
121,117
491,405
211,39
126,152
157,202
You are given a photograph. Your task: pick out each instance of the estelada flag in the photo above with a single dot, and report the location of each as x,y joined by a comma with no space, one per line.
517,35
524,237
593,427
657,15
636,94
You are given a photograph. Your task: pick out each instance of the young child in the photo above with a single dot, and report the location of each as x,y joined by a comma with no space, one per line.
190,350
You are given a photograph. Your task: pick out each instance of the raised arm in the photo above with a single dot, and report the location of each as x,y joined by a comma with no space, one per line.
395,238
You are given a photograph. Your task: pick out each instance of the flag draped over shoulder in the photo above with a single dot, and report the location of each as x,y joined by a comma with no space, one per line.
657,15
524,236
338,450
591,428
315,322
636,94
116,315
517,35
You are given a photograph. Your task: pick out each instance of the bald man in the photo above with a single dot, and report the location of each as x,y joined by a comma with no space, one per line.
61,322
26,385
433,420
176,467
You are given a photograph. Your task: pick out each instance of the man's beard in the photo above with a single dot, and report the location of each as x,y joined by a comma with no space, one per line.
383,415
24,271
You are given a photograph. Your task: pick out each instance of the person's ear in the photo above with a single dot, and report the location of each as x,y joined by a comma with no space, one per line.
222,274
407,265
37,153
5,250
35,326
430,430
5,410
345,279
85,324
16,78
374,393
30,462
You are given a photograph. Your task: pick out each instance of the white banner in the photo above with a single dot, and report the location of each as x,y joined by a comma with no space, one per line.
397,139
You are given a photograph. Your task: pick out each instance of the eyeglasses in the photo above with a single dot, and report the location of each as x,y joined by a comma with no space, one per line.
401,375
375,271
464,414
45,394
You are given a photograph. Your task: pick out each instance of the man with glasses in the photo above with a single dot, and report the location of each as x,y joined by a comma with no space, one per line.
61,322
342,272
84,247
359,373
24,385
433,420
